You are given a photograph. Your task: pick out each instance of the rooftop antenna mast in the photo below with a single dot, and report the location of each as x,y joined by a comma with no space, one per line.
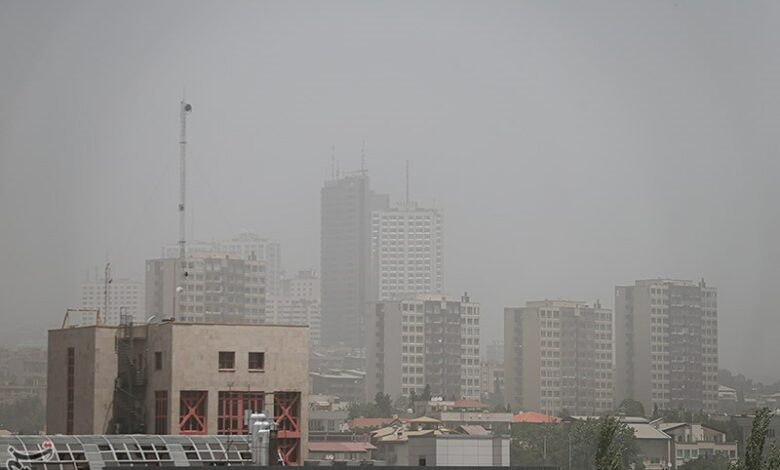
185,109
333,162
106,292
407,183
363,158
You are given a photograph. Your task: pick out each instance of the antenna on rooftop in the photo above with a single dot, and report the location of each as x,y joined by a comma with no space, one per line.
363,158
333,162
185,109
407,183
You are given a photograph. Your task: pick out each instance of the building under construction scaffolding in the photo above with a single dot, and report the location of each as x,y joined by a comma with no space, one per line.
179,378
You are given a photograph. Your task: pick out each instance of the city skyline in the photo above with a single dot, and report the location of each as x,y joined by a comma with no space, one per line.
636,139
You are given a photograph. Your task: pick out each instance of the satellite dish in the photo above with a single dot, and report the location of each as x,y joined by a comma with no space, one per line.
188,107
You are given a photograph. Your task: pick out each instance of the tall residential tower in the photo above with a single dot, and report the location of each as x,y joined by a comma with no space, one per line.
667,348
407,250
424,340
558,356
347,280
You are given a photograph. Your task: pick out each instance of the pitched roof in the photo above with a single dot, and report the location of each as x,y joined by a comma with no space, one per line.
325,446
647,431
534,418
473,429
669,426
425,420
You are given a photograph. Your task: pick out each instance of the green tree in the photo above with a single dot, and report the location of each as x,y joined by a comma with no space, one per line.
754,449
631,407
426,393
383,404
608,456
567,445
656,411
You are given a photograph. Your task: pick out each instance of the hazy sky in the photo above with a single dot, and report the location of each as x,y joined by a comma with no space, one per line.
572,146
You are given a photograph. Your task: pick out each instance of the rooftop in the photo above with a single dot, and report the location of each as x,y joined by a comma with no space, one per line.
534,418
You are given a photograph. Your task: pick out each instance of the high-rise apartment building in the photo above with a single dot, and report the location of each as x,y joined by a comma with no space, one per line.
242,246
667,344
424,340
298,304
125,296
407,250
206,288
347,280
558,355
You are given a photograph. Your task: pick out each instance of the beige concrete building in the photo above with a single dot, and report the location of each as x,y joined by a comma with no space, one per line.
558,355
212,287
178,378
667,353
439,347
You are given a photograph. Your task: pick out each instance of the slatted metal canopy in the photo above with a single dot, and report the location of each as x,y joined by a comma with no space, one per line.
98,452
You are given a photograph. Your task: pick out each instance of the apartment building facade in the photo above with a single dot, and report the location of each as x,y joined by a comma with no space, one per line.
242,246
407,244
438,347
558,355
206,288
667,353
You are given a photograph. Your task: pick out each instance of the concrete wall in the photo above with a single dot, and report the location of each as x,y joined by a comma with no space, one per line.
193,353
159,339
95,368
459,451
655,453
383,365
634,299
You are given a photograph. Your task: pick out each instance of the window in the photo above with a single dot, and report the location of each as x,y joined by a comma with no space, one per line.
161,412
227,360
192,412
158,360
232,406
256,361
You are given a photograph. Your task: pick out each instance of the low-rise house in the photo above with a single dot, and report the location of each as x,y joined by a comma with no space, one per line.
345,384
532,417
497,422
327,413
655,448
693,441
427,441
371,424
340,447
